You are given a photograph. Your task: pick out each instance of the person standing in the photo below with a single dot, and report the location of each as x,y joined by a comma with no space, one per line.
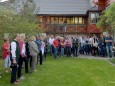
15,53
95,46
109,41
39,44
75,46
43,47
62,43
55,45
29,57
23,56
33,52
51,39
6,54
68,46
102,46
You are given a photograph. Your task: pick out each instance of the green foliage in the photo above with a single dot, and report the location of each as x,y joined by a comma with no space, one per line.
12,1
107,18
23,22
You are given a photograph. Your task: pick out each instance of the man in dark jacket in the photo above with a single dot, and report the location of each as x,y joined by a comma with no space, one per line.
75,44
15,53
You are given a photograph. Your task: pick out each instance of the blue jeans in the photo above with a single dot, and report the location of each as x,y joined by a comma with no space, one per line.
102,51
51,49
55,52
109,51
62,51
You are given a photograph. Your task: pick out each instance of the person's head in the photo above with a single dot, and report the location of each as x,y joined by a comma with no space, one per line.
42,38
108,35
61,38
6,39
32,38
101,36
17,37
22,36
37,37
52,36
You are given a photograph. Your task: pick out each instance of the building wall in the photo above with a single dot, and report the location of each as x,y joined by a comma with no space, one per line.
88,27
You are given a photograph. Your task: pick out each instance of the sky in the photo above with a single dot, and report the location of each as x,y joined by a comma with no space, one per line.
3,0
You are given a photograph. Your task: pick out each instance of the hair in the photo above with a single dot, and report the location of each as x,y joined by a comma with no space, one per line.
6,39
16,35
32,38
21,36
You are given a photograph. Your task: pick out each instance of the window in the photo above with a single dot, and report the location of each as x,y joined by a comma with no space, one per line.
83,21
76,20
72,20
60,20
56,19
80,20
48,20
68,21
40,20
94,17
52,20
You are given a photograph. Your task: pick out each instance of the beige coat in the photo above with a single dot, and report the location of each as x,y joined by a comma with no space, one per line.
33,48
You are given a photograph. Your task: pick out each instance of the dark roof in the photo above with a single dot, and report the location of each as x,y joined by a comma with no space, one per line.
62,7
95,8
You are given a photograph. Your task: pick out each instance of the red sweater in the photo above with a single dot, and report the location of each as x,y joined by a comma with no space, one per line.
5,52
55,43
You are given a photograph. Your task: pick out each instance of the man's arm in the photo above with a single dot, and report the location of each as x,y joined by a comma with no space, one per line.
13,52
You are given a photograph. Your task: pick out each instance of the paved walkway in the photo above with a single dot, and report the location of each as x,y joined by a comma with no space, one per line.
93,57
99,58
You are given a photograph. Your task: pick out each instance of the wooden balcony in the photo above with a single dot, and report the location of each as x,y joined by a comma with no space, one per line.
67,29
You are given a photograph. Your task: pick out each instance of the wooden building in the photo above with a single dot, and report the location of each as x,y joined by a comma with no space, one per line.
102,4
69,16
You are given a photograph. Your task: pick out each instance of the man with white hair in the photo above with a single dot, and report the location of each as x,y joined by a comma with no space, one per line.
51,39
15,53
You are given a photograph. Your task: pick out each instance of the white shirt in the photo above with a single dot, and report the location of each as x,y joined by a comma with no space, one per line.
90,40
23,49
13,50
51,41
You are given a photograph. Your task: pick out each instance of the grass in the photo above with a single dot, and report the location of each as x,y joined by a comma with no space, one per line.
112,60
68,72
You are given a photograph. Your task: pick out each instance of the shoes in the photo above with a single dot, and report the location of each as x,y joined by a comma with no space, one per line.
17,80
15,83
22,77
34,70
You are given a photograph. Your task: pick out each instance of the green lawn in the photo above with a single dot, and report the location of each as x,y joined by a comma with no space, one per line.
68,72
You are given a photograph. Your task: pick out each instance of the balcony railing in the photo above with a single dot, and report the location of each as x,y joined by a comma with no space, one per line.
64,28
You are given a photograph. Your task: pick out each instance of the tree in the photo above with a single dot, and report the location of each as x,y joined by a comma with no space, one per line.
23,22
107,19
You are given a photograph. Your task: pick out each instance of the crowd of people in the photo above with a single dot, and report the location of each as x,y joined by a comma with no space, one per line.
22,51
81,45
33,50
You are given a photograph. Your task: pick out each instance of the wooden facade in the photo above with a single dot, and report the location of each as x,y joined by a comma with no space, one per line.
102,4
72,23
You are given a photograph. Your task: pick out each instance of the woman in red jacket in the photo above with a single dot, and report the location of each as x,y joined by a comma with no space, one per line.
6,54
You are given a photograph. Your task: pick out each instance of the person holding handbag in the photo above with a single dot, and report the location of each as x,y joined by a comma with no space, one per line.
15,53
